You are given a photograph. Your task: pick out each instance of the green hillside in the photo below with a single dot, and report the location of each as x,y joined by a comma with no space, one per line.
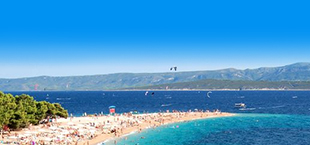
294,72
229,84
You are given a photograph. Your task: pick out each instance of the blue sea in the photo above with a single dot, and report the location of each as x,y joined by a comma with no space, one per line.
271,117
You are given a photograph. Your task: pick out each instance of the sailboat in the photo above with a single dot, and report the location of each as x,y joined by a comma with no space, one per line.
208,94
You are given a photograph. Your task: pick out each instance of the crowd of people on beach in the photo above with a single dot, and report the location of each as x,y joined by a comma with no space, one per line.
82,130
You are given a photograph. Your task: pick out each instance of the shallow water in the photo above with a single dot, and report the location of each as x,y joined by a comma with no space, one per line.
243,129
274,117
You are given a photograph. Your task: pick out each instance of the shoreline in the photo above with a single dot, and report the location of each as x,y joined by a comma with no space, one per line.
169,123
143,126
98,129
124,90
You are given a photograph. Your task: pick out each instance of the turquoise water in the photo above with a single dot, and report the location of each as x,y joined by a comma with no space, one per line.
276,117
242,129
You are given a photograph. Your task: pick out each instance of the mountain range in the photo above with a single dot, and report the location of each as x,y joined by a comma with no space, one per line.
295,72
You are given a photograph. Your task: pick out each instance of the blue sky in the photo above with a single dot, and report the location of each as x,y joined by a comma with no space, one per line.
58,38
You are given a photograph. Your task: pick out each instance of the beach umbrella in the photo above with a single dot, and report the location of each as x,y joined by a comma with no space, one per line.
91,127
47,139
13,137
60,136
83,130
81,125
44,130
53,128
31,132
75,127
26,134
92,131
65,132
62,127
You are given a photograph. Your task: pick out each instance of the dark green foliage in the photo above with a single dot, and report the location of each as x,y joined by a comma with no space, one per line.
60,111
21,111
51,110
27,107
18,119
41,110
7,108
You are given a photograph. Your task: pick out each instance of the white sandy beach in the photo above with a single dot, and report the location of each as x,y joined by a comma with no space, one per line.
96,129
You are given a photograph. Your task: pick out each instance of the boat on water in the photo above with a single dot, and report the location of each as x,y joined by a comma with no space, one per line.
165,105
240,105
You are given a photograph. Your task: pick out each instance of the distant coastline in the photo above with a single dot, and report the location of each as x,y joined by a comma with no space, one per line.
266,89
290,77
123,90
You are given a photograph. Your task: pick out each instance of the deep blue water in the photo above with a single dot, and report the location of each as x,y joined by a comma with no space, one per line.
277,117
272,102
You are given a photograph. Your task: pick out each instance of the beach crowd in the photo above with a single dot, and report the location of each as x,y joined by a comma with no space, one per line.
93,129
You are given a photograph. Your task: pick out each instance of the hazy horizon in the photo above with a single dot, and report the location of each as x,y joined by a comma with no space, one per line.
75,38
170,71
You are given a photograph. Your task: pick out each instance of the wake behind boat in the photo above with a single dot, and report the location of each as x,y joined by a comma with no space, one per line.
246,109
